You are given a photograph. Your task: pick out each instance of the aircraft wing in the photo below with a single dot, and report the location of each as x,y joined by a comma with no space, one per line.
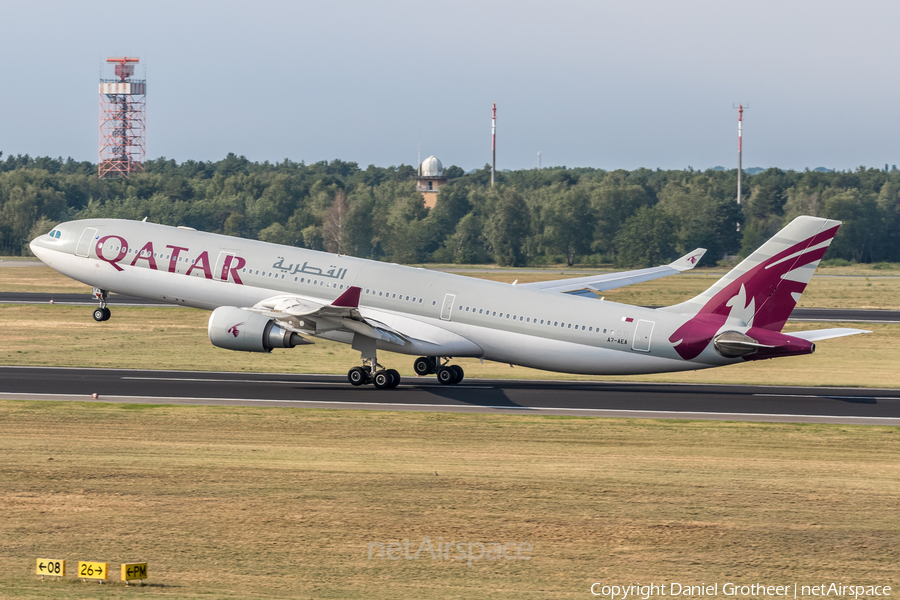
588,286
305,316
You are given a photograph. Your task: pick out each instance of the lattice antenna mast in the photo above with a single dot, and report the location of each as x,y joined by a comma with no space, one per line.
122,120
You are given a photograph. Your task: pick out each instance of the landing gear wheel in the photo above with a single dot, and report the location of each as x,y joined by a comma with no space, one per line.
459,373
102,314
447,376
395,378
423,366
357,376
383,380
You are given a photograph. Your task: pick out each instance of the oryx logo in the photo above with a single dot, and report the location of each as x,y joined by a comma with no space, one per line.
693,259
233,330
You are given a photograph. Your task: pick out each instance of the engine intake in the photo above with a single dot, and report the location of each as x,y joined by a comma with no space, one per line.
234,328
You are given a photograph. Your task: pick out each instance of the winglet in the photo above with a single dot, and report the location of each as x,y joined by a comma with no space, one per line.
349,299
689,260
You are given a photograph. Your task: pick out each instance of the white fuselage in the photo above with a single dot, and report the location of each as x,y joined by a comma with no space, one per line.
460,316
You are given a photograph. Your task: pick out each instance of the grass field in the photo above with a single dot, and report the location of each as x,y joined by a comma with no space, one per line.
283,503
276,503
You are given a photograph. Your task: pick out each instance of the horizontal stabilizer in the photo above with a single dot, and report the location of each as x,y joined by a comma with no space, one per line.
585,286
826,334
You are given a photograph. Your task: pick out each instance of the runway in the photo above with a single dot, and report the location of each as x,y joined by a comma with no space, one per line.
580,399
819,315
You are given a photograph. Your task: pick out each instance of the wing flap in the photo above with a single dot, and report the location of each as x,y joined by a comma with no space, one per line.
303,315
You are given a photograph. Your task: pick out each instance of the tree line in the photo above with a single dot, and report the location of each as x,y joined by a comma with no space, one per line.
548,216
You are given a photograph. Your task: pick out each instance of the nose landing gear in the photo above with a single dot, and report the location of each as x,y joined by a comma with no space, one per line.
102,313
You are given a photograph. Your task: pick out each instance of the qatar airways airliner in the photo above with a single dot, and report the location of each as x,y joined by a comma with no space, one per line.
264,296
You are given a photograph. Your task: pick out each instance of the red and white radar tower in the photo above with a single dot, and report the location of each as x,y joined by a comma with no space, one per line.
123,118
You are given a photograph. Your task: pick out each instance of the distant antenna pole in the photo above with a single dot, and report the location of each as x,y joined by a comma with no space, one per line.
740,108
539,160
493,141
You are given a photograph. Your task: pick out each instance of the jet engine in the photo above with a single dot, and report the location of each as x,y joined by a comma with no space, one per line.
238,329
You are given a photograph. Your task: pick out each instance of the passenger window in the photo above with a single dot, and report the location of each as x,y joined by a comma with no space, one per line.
480,311
407,298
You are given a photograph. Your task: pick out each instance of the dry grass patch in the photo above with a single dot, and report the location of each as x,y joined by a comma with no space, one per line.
278,503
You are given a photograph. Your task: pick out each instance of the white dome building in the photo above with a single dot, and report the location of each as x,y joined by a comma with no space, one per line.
430,179
431,167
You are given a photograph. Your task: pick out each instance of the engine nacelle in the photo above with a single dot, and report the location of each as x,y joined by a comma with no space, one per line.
238,329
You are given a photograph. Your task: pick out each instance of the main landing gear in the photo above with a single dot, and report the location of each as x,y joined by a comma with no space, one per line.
446,374
372,372
102,313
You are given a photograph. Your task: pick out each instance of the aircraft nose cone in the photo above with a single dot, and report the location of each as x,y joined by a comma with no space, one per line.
38,249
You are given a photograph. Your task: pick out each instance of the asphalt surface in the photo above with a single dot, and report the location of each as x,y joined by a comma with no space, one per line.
821,315
587,399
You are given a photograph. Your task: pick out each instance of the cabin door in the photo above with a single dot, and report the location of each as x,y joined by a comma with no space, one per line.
642,335
84,244
447,307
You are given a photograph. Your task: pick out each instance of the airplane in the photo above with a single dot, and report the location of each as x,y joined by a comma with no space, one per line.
265,296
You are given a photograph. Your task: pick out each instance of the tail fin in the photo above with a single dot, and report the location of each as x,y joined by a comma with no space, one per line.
765,287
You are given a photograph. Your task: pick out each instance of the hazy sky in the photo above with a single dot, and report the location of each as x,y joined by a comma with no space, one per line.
618,84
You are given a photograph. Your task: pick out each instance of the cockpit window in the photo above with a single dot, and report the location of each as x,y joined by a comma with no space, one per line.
58,233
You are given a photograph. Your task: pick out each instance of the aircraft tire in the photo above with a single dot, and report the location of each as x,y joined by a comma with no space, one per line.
106,313
459,373
383,380
357,376
447,376
395,378
423,366
99,314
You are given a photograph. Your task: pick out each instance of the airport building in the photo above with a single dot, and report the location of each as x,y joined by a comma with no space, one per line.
430,179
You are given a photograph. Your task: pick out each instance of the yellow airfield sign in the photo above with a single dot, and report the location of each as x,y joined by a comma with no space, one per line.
131,571
49,566
93,570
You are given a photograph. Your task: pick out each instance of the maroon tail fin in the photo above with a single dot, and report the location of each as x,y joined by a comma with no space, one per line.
762,290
